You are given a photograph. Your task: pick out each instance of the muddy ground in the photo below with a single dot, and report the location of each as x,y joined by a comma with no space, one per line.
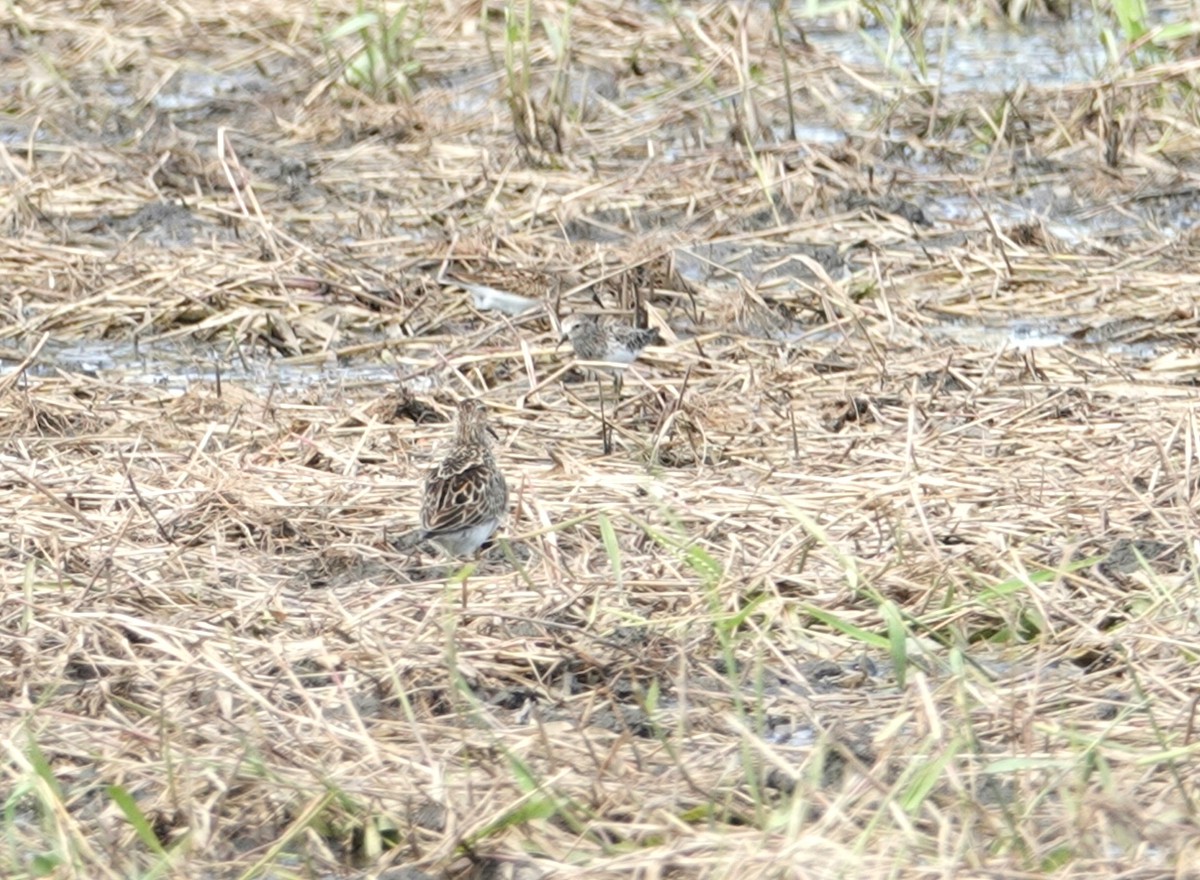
884,566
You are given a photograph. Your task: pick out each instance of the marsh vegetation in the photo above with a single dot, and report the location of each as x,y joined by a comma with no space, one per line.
884,567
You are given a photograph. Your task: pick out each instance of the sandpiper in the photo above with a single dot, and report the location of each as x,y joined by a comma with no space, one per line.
465,495
609,347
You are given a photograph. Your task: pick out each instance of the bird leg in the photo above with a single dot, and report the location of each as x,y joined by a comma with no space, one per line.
465,573
605,427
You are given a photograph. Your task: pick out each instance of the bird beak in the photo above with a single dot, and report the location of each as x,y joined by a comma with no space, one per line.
492,431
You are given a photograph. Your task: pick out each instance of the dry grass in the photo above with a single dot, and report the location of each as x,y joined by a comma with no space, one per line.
857,591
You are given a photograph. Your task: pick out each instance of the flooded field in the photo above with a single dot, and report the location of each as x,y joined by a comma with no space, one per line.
879,562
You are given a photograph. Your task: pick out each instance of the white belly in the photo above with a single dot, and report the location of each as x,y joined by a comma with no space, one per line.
466,542
619,355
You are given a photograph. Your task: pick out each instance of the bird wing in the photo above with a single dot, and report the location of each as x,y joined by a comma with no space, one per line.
461,493
635,338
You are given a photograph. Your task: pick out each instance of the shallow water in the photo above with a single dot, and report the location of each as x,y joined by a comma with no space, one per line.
1040,53
175,367
995,64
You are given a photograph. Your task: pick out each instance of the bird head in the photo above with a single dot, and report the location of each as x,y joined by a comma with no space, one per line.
472,425
572,326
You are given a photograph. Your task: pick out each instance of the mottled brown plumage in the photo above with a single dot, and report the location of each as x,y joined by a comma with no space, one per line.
611,343
609,346
465,495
